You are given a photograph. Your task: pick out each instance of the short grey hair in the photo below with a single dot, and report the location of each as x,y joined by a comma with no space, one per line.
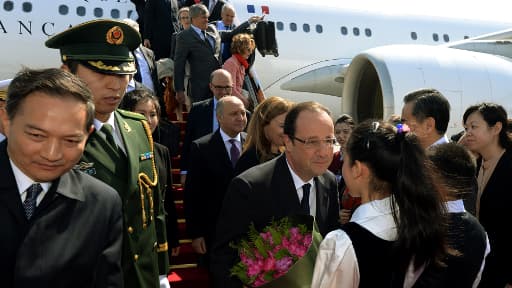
197,10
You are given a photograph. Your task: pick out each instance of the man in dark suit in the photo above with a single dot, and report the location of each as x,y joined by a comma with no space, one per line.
60,227
120,150
200,47
201,118
211,169
160,22
297,182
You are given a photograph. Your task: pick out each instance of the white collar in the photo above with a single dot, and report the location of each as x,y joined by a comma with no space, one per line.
226,138
376,217
23,181
442,140
296,179
111,120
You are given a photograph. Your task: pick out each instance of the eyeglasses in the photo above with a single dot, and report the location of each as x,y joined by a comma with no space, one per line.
222,87
316,143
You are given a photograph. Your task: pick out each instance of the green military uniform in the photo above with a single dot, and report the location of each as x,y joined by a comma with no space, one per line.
104,46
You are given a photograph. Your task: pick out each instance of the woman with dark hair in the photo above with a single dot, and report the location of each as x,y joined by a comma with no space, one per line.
400,224
264,134
342,129
486,134
143,101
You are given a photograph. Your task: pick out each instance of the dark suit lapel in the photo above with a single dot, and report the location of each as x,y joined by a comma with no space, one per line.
9,194
218,145
287,198
209,109
322,199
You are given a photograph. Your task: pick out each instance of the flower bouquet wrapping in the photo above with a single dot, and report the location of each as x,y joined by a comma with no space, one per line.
282,255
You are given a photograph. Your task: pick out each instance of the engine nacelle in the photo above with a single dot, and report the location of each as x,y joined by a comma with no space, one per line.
377,80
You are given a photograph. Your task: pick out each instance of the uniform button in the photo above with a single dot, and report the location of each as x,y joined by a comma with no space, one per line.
130,230
136,257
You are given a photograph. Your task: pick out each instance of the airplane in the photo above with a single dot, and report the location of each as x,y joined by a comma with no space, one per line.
368,52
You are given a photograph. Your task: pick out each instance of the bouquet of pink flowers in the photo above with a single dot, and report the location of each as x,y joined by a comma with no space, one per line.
282,255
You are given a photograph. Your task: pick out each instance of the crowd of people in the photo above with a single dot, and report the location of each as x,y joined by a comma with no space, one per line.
86,194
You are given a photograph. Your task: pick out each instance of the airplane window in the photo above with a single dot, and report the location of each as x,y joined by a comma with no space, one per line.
344,30
446,38
305,27
98,12
115,13
26,7
368,32
435,37
466,37
280,26
293,27
8,5
63,10
319,28
414,36
356,31
80,11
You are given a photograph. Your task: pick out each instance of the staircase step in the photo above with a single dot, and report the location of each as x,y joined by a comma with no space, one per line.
187,256
194,277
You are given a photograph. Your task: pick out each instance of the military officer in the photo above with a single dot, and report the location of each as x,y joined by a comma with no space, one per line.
120,150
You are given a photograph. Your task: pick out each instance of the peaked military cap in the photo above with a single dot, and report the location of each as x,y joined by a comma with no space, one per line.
4,84
103,45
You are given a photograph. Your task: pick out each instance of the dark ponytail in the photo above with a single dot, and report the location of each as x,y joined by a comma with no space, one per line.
397,163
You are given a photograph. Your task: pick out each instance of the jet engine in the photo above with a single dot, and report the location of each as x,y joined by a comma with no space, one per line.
377,80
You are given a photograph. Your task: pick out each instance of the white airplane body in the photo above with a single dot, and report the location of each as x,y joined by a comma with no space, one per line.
335,49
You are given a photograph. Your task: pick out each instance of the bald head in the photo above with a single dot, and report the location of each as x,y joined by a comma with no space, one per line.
231,115
221,83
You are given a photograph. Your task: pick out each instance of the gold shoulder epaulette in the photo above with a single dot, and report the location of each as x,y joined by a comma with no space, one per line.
130,114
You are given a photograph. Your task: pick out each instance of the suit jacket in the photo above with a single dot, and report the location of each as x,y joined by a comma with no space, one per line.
495,217
72,240
258,195
203,60
160,22
199,123
144,236
210,172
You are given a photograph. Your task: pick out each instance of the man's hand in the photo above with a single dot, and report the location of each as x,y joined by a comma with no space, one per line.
147,44
199,245
345,215
255,19
180,97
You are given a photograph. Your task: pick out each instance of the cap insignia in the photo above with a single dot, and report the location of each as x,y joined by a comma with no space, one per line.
102,66
115,35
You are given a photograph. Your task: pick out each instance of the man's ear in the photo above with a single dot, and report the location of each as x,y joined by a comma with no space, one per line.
430,123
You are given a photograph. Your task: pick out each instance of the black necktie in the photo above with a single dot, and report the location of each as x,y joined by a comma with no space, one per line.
304,203
107,130
206,40
30,200
234,152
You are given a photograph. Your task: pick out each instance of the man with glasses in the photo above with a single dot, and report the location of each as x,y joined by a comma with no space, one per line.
201,118
295,183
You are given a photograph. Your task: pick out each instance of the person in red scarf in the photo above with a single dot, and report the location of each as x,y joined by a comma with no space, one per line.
242,46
